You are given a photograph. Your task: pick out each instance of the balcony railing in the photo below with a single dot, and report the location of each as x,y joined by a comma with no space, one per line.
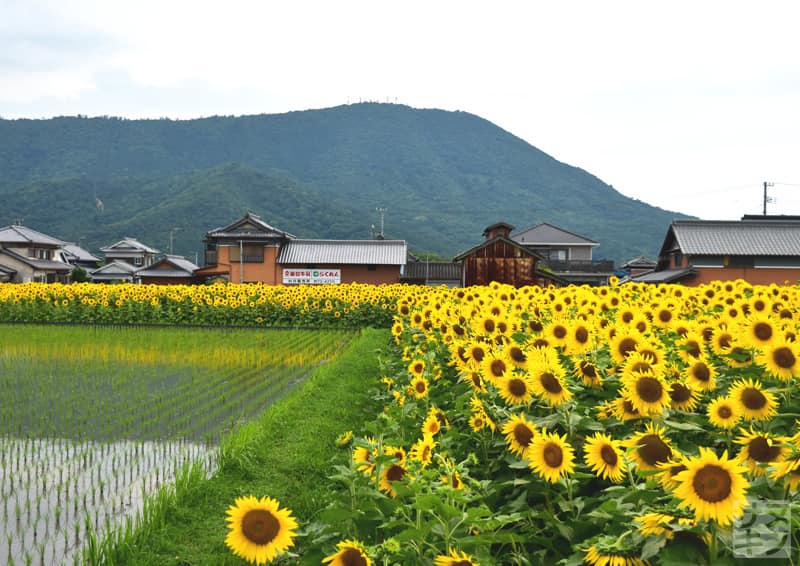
585,266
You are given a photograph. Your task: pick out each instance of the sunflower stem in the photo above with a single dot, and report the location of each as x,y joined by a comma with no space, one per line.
713,544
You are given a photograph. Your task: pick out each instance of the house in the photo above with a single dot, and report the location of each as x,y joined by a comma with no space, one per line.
116,271
567,254
342,261
758,249
28,255
250,250
79,257
433,273
501,259
638,266
132,251
169,270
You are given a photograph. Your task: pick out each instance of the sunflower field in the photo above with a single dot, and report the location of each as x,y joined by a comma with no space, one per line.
621,425
252,304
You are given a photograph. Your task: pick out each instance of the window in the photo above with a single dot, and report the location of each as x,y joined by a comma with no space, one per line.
251,253
137,261
42,254
558,255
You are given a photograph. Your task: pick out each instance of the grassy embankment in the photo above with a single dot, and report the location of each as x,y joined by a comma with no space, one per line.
286,454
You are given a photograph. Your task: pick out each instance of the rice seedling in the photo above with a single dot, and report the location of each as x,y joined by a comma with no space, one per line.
95,421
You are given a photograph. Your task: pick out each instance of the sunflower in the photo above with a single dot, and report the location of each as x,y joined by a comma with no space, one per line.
495,367
723,412
701,375
647,391
758,331
595,557
760,449
451,478
389,475
419,387
752,401
548,380
781,358
557,332
580,337
788,471
259,529
422,450
649,447
624,410
454,558
713,487
683,397
474,378
432,425
475,351
605,457
478,421
669,469
515,355
663,524
348,553
364,455
551,456
589,373
624,342
416,368
516,389
520,432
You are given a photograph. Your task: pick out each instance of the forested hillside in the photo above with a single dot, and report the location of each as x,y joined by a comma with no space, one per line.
443,176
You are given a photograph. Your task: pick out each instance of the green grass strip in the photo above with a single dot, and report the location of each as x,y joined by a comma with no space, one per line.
286,454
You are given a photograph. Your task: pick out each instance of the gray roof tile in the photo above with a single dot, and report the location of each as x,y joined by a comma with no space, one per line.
730,237
358,252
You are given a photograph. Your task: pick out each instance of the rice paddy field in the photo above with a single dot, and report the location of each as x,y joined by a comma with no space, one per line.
93,419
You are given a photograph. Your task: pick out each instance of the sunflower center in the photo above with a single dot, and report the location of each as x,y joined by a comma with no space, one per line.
420,386
588,370
516,354
679,393
725,340
762,331
477,354
712,483
628,407
753,399
760,450
476,379
497,367
649,389
724,412
664,315
693,349
517,387
352,557
700,372
641,367
626,345
553,455
582,335
395,473
783,357
559,331
462,563
458,330
488,325
654,450
523,435
419,368
550,383
609,455
260,526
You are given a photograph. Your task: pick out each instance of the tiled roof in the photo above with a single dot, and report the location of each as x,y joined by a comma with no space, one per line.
127,244
433,270
24,235
249,226
358,252
182,267
43,264
115,267
665,276
730,237
547,234
79,253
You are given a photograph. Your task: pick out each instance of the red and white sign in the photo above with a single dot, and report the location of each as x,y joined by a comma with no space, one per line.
312,276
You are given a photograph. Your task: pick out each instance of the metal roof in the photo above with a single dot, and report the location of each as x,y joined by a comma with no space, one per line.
43,264
665,276
433,270
731,237
115,267
181,267
360,252
79,253
547,234
24,235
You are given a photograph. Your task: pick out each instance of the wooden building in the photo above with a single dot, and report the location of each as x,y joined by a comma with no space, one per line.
500,259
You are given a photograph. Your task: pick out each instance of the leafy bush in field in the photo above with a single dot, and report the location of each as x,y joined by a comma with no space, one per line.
323,306
616,425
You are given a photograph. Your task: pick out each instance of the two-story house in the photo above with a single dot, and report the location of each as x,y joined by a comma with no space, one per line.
567,254
28,255
132,251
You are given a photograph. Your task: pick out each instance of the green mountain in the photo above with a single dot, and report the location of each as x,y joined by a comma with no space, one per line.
442,176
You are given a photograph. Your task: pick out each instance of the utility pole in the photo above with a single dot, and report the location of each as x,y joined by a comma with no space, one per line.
766,198
171,233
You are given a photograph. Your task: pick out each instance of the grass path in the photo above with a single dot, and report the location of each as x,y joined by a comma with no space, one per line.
285,454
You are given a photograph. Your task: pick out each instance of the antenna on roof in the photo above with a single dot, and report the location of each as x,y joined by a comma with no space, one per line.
766,198
18,221
382,212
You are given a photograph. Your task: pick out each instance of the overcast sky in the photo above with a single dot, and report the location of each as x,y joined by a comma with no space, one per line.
689,106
